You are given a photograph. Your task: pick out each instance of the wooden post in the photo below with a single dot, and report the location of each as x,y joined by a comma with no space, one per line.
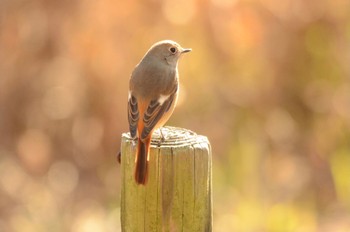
177,196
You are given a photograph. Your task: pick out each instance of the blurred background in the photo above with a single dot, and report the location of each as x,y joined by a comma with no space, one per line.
268,82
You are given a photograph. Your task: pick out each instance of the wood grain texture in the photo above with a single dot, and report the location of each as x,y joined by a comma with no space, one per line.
178,195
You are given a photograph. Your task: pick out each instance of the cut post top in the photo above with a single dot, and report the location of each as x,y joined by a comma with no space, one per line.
173,136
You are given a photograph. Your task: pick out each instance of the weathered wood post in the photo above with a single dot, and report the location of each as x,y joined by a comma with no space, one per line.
177,196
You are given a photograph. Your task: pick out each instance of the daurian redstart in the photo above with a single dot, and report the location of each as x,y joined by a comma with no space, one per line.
153,91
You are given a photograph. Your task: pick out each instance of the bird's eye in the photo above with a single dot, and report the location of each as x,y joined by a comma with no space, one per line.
172,50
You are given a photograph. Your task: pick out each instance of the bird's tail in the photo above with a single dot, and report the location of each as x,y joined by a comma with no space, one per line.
141,170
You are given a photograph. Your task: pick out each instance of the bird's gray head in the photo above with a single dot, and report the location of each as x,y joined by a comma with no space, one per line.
166,51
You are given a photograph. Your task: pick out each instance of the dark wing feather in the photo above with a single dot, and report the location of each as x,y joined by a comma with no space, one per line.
154,112
133,116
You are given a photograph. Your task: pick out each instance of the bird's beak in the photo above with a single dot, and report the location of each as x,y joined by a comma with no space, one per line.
185,50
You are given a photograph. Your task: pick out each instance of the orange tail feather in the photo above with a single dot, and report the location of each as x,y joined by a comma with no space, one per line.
141,170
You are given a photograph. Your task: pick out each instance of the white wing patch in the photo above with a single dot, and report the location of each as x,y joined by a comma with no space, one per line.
163,98
129,95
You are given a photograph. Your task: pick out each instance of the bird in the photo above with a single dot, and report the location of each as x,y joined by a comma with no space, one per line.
153,93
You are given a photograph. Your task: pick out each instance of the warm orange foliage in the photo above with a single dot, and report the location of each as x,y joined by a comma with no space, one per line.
268,82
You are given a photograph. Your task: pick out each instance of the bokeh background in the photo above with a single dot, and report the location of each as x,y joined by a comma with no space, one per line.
268,82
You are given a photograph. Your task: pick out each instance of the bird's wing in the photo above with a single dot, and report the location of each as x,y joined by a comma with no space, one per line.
133,116
154,113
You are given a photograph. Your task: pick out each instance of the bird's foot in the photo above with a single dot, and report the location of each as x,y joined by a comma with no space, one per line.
162,137
133,141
